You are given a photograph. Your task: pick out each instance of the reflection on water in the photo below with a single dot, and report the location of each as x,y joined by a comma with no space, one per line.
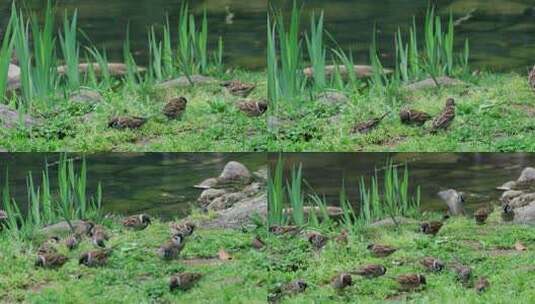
156,183
105,22
476,174
501,32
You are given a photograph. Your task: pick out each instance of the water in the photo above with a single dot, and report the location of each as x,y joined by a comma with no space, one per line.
105,23
156,183
501,32
476,174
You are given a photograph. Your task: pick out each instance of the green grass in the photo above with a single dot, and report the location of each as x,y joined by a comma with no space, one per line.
494,113
135,274
510,272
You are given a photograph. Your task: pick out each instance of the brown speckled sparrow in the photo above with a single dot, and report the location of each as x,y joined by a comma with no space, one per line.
341,281
367,126
49,246
464,273
431,228
411,281
50,260
342,238
280,230
257,243
381,250
445,118
126,122
84,228
252,108
432,264
175,108
371,271
238,88
185,228
413,117
184,280
72,241
482,284
95,258
531,78
137,222
172,248
317,240
99,236
481,215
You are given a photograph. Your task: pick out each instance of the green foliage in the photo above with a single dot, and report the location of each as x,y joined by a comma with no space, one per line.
6,49
71,50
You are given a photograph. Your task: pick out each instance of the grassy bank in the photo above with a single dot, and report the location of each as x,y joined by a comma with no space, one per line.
487,249
494,112
134,272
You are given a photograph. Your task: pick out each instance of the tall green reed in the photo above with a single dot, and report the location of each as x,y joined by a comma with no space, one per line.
276,194
317,51
71,50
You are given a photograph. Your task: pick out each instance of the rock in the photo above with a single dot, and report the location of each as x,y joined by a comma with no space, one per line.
507,186
261,174
454,200
330,98
235,172
525,215
430,83
183,81
389,222
527,175
252,189
507,196
522,200
361,71
86,96
225,201
240,214
61,228
10,118
115,69
207,183
13,77
208,195
335,213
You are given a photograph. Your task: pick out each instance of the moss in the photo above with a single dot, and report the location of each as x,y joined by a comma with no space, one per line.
488,249
135,274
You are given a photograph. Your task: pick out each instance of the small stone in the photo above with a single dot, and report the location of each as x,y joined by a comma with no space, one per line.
430,83
10,118
330,98
507,186
183,81
207,183
85,96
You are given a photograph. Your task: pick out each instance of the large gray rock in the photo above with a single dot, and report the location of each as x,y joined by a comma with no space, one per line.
522,200
454,200
240,214
525,215
208,195
10,118
235,172
509,195
527,175
183,81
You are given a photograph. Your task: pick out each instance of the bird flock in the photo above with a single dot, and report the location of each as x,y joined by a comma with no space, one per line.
406,282
414,117
176,107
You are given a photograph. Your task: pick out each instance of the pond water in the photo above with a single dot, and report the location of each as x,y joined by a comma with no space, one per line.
105,22
160,184
501,32
475,174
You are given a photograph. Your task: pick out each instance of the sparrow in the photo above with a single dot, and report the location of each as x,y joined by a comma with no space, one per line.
481,285
371,271
431,228
432,264
258,243
464,273
252,108
72,241
531,78
49,246
99,236
341,281
413,117
184,280
342,237
411,281
381,250
126,122
317,240
185,228
172,248
95,258
444,119
175,108
84,228
238,88
279,230
137,222
50,260
367,126
481,215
